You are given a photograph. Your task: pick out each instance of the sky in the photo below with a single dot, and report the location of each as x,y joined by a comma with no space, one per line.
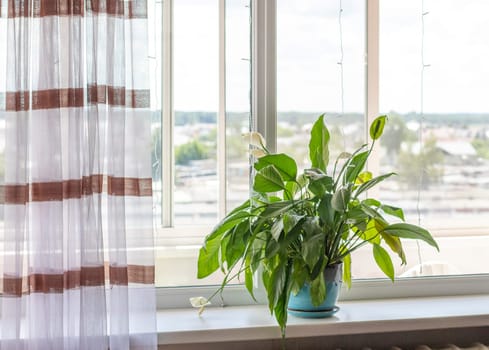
456,48
308,48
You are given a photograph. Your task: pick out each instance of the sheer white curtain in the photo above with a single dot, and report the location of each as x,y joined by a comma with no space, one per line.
77,237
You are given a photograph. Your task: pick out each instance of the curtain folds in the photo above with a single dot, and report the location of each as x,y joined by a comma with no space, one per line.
77,246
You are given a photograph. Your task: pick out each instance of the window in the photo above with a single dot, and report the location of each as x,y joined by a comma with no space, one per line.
200,165
424,69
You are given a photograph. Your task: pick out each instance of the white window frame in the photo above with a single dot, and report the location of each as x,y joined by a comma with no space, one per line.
264,111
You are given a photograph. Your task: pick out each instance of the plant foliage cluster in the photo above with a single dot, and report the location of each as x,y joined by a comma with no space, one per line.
296,224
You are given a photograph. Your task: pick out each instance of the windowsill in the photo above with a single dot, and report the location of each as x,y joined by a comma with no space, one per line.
184,326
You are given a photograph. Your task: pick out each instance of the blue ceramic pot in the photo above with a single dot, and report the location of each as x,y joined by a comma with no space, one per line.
301,305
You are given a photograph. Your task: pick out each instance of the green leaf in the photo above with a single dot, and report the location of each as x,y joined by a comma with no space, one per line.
312,248
318,145
299,274
229,222
271,249
290,221
377,127
284,164
363,177
291,190
384,261
394,211
347,270
355,167
371,202
395,245
277,208
318,290
371,234
249,278
340,199
268,179
325,210
208,261
276,284
235,247
321,185
280,309
277,229
371,183
409,231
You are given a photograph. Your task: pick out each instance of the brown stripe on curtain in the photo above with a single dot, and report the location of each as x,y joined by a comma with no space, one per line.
122,275
127,9
69,189
74,97
42,8
87,276
118,96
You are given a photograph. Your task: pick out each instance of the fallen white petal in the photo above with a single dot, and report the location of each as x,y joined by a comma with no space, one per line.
199,302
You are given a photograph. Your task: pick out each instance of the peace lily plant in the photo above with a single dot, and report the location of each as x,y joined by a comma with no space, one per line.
294,225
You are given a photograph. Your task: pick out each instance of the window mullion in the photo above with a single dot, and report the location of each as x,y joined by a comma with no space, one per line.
264,70
372,74
221,126
167,155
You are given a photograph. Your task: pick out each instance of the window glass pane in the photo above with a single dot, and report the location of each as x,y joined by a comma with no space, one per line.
437,137
196,98
197,129
320,69
238,108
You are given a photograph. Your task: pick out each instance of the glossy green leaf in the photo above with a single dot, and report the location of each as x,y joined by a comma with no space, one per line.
277,283
326,211
291,188
235,247
271,248
277,229
377,127
371,202
347,270
395,245
312,249
268,179
340,199
321,185
249,278
409,231
363,177
280,309
276,209
290,221
318,290
208,261
228,223
394,211
299,274
384,261
284,164
371,183
355,167
318,145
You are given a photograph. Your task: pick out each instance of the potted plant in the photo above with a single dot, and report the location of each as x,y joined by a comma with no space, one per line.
299,230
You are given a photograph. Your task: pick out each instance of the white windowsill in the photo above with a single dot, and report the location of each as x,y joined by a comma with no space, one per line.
184,326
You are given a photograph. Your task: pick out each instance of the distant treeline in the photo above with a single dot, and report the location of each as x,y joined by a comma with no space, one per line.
299,118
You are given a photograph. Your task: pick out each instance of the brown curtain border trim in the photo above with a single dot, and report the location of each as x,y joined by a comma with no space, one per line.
85,277
68,189
75,97
43,8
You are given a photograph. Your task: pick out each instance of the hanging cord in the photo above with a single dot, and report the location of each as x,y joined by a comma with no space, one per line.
420,129
342,81
340,62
